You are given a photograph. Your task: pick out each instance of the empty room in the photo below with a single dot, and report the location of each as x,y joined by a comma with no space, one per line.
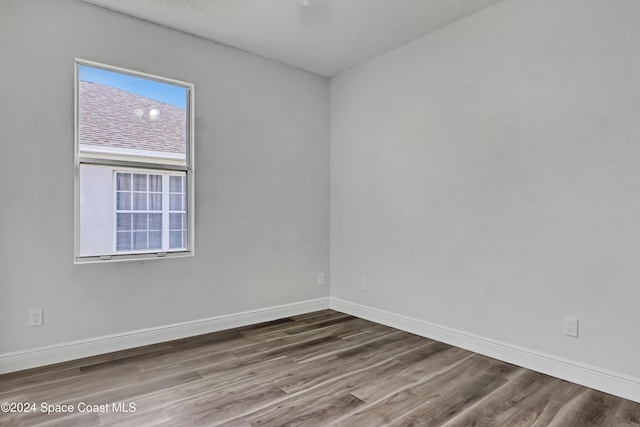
320,213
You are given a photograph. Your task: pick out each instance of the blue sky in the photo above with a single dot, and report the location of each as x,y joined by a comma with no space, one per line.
163,92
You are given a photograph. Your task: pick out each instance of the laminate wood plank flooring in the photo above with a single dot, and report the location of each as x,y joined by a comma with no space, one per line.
318,369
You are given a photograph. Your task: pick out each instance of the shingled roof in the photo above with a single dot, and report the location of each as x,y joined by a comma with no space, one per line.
114,118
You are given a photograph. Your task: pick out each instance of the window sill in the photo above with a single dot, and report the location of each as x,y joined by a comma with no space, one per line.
131,257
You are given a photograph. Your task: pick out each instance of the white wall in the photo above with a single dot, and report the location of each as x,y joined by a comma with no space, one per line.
485,178
97,207
262,186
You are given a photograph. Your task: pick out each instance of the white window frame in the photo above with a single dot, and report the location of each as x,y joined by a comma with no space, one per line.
136,166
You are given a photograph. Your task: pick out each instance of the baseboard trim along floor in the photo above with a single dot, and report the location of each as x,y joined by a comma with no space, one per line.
600,379
41,356
597,378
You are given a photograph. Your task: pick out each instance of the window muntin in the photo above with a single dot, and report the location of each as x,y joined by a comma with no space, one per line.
134,164
138,211
177,212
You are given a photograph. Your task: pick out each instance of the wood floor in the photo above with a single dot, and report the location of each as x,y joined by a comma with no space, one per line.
319,369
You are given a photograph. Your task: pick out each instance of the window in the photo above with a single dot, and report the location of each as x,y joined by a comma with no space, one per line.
134,174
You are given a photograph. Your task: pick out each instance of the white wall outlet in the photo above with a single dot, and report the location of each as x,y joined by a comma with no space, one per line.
320,279
571,326
364,285
35,317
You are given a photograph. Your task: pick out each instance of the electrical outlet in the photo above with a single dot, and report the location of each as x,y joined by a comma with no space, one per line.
571,326
35,317
320,279
364,285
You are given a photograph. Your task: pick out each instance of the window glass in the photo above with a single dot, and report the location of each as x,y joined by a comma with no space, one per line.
124,115
133,140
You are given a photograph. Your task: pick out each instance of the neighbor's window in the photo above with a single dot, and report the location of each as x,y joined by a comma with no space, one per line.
134,175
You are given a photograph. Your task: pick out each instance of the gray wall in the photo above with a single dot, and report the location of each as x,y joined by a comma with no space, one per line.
262,185
485,178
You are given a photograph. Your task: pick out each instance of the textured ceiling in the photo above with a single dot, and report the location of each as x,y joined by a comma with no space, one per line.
322,36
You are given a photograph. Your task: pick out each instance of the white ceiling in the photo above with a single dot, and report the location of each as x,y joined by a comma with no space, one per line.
322,36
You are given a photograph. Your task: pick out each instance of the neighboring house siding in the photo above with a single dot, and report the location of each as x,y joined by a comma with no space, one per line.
97,210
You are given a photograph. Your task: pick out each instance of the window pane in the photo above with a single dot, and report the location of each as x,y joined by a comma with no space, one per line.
155,183
132,144
140,240
139,182
123,222
124,201
176,239
123,181
175,221
175,202
155,240
155,201
139,221
175,184
140,201
155,222
123,115
123,241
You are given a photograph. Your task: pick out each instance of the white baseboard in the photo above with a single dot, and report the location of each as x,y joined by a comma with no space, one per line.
600,379
31,358
593,377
